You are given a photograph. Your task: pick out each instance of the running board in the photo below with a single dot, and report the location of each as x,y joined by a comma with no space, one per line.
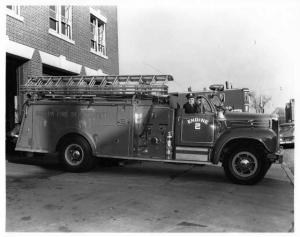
193,162
197,154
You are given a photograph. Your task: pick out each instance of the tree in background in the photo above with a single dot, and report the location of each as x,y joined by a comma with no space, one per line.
258,102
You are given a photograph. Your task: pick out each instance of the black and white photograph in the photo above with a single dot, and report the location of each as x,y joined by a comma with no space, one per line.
149,116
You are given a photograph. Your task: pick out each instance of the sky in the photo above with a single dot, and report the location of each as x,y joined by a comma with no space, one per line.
250,44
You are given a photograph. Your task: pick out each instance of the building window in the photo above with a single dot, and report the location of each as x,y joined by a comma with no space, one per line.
98,35
61,20
14,11
14,8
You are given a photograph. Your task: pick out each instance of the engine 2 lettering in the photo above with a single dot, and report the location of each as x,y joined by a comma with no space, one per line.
197,120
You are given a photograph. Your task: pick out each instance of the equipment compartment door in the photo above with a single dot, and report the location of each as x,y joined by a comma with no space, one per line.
114,134
195,129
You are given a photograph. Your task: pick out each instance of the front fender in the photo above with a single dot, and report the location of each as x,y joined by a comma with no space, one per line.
265,136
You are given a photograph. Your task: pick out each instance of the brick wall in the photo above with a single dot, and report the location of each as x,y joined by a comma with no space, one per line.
33,32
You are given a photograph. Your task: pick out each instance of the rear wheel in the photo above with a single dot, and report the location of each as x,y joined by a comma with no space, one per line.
76,155
245,165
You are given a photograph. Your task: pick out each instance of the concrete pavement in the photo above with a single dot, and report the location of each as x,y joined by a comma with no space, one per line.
145,197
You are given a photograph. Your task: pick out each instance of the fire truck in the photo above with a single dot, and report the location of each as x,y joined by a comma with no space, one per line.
134,117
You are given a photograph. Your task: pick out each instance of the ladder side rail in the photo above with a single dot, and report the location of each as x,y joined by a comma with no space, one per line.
141,80
153,80
103,82
54,82
80,82
69,82
39,82
59,82
30,82
92,82
116,81
48,82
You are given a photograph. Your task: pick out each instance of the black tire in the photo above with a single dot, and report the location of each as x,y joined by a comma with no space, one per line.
76,154
246,165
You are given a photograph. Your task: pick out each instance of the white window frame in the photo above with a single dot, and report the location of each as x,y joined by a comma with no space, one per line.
59,19
98,50
15,12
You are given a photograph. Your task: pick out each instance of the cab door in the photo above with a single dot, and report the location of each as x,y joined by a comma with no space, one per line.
198,129
195,129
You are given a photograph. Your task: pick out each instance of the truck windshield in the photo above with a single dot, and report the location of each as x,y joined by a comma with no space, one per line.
206,105
216,101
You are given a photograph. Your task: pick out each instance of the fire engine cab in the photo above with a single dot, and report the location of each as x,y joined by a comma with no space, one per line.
134,117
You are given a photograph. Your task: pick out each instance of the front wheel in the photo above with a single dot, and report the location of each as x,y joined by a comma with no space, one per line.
76,155
245,165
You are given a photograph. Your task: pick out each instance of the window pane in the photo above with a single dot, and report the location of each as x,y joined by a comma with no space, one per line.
53,12
69,31
9,7
63,28
68,13
100,23
93,19
206,106
92,28
93,45
100,34
53,24
63,10
101,49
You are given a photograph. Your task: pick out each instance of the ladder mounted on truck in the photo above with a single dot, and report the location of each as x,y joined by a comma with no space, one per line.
96,86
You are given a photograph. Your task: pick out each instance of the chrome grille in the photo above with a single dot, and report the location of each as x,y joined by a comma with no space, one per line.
275,127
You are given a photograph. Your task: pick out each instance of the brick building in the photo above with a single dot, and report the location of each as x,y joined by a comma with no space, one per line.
57,40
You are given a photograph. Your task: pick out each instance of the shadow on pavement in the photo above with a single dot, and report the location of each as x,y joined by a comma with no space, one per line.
50,162
130,168
127,168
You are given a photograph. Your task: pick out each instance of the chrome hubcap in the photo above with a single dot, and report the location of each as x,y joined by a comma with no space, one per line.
244,164
74,154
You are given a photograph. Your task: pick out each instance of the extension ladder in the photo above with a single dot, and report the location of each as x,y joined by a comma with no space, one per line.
97,86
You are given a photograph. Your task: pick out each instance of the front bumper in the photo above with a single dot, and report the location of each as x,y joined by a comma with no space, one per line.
276,157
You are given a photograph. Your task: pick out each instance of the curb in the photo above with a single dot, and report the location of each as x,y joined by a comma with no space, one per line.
288,172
